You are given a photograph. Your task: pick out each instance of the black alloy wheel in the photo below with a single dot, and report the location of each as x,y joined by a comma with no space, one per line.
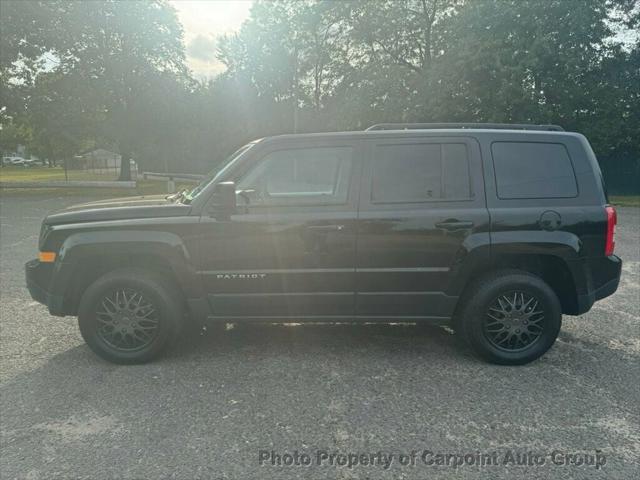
130,315
127,320
509,317
514,321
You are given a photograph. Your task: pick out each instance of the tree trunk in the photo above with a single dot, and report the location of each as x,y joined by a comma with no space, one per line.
125,166
295,89
49,153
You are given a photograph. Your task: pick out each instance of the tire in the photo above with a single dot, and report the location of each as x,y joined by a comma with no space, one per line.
510,317
130,316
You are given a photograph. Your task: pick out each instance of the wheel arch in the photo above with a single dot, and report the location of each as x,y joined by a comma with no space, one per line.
85,257
554,270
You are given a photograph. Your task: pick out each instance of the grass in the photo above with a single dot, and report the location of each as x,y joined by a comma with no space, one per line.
43,174
46,174
625,200
143,187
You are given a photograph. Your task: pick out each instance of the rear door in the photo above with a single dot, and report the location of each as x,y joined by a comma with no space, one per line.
422,210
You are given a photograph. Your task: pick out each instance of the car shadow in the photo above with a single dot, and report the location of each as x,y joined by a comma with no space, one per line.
241,358
306,374
293,340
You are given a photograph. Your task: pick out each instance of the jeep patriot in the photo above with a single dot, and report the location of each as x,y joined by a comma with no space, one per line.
497,230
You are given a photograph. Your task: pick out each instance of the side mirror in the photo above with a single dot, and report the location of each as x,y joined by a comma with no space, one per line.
223,200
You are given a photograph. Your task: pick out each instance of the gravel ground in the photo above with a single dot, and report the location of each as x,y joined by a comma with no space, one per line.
211,406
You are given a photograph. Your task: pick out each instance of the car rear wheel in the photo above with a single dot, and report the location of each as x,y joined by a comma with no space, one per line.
129,316
510,317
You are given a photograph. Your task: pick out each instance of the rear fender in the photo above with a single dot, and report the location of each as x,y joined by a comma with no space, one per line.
559,244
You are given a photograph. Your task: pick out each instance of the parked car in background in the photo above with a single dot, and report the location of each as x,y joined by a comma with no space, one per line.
14,160
21,162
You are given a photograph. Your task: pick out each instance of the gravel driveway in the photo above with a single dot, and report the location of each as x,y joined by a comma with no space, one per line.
236,405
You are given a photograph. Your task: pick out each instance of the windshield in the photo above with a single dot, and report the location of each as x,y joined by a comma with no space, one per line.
217,172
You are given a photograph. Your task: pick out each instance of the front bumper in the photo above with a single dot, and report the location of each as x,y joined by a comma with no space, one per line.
38,276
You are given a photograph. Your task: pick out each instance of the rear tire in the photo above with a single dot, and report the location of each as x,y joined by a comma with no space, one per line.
510,317
129,316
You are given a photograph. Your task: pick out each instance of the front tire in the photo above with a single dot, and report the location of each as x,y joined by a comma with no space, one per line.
129,316
510,317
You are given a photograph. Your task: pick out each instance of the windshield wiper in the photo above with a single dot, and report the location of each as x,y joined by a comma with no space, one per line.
178,196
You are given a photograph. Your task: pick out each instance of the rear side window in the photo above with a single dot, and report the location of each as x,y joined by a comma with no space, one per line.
533,170
420,173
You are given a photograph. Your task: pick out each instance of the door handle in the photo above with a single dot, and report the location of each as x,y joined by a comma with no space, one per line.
452,225
325,228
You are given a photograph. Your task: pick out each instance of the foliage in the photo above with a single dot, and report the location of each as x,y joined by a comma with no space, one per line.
318,65
90,69
112,73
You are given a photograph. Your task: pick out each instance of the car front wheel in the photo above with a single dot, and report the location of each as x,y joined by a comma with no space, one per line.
129,316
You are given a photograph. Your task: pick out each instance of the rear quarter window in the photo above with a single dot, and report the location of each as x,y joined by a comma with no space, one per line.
533,170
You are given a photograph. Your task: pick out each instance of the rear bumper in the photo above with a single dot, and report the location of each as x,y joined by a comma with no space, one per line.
605,278
38,276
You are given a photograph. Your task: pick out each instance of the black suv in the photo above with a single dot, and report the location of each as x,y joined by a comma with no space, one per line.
496,230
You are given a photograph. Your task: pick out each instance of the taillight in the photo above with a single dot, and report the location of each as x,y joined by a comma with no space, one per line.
612,219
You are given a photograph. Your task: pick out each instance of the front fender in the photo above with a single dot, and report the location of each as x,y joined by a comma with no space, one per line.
85,248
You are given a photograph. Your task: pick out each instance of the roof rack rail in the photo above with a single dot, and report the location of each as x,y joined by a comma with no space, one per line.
491,126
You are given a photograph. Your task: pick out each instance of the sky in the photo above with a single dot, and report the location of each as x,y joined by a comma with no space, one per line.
203,22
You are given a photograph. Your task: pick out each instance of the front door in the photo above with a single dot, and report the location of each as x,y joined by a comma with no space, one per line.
289,250
422,211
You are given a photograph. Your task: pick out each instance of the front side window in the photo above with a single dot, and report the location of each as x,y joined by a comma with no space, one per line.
316,175
420,173
533,170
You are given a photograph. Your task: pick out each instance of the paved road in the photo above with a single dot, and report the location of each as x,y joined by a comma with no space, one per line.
207,410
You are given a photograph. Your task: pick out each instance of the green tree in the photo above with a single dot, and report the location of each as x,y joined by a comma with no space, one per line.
63,121
116,51
114,72
123,48
14,132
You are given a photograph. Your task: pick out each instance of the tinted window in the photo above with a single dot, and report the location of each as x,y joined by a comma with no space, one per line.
533,170
420,172
299,176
